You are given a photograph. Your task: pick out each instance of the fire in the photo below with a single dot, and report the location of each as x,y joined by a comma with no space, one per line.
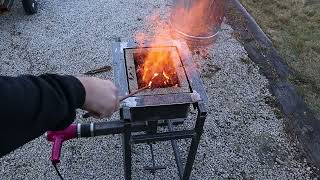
158,68
165,75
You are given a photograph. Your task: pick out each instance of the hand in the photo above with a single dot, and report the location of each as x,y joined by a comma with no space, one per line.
101,97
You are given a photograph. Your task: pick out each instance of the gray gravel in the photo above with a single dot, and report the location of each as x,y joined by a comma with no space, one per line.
244,137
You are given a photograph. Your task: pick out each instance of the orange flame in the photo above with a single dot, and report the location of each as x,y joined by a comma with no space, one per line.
158,67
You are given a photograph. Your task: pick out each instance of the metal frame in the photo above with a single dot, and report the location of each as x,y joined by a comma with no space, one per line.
195,134
130,122
126,127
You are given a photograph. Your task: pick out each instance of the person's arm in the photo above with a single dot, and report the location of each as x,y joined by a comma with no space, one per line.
31,105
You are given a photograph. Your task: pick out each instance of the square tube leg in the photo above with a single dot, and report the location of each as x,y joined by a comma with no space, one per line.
195,140
127,159
176,151
126,145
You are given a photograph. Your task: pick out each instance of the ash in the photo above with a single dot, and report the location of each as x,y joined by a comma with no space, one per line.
244,136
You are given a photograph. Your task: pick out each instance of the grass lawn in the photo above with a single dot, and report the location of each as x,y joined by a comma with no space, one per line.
294,28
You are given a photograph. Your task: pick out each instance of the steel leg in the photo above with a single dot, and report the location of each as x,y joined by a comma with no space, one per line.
153,168
176,152
195,140
126,145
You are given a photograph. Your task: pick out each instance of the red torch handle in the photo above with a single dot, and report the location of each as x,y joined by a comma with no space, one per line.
56,150
58,137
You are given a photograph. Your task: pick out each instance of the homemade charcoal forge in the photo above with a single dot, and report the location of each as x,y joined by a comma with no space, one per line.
174,89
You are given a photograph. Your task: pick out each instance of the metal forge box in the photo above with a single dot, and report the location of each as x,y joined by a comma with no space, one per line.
161,105
158,103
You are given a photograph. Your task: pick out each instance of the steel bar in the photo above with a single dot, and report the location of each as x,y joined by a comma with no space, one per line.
176,151
174,122
126,146
153,168
166,136
116,127
106,128
195,140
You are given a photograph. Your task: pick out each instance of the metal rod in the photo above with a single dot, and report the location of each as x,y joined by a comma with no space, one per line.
152,158
153,168
116,127
99,70
134,93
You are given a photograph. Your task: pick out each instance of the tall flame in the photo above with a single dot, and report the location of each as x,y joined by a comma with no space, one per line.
158,67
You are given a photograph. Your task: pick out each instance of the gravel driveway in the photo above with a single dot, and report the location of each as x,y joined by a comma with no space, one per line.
244,135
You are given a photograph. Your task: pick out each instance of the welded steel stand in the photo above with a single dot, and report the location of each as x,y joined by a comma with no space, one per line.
144,113
153,136
195,140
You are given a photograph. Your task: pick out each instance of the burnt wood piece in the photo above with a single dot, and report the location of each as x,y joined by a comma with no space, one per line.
300,119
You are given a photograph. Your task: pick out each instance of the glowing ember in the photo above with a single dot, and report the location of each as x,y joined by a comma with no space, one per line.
155,69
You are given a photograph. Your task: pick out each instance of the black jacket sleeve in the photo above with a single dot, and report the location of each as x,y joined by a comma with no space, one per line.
31,105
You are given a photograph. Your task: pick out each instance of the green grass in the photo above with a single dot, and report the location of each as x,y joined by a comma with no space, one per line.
294,28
